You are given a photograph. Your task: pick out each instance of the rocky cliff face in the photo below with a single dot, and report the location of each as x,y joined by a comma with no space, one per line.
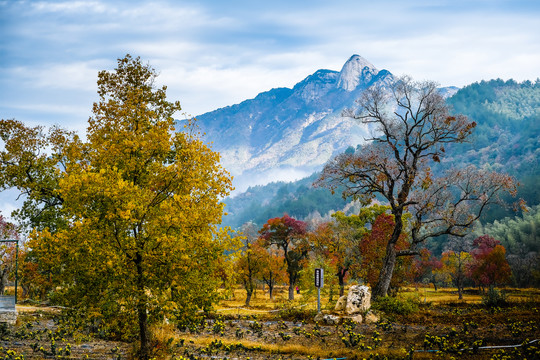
288,133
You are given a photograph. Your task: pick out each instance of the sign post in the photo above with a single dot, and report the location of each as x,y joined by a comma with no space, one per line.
319,283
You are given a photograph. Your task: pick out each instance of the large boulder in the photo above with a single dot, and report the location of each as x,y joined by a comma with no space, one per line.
358,299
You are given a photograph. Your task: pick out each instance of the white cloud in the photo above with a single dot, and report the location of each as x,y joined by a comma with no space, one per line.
70,7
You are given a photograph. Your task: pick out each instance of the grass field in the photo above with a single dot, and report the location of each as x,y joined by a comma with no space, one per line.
437,327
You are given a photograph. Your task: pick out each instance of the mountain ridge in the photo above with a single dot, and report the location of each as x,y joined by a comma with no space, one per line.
291,132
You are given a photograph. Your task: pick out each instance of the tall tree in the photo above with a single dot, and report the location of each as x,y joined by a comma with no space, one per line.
413,125
289,235
142,205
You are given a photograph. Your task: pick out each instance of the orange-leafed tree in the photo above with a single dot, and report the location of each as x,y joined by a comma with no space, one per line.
454,267
289,235
272,268
336,246
413,125
489,266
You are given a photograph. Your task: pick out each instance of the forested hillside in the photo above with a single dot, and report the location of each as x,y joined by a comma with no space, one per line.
506,138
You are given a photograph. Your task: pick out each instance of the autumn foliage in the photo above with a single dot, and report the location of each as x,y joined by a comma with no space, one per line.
489,265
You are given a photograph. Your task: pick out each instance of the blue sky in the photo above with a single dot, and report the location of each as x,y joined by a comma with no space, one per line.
217,53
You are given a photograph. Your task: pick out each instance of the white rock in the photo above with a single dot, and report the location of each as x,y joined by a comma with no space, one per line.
358,299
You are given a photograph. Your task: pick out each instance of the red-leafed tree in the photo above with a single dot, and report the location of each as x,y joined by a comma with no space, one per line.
413,125
425,266
372,249
489,266
289,235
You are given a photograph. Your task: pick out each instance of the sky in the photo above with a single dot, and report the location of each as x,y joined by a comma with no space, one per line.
213,54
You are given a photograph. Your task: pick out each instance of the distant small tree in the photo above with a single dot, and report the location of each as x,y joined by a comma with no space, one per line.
489,266
248,263
289,235
455,266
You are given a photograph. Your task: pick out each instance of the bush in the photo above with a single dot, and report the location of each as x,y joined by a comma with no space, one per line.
295,314
494,298
393,305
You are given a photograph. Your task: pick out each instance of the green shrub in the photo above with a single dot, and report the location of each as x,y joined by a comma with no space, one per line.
494,298
393,305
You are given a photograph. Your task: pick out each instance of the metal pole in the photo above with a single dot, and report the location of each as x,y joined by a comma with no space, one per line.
318,299
16,269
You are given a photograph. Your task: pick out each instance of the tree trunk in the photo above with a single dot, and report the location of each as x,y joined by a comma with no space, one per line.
248,285
3,280
385,276
341,284
144,352
460,288
271,291
389,263
292,282
248,297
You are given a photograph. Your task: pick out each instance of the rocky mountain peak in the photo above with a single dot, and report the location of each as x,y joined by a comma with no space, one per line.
355,72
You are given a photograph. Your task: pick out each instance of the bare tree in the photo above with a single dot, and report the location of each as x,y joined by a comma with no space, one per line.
413,125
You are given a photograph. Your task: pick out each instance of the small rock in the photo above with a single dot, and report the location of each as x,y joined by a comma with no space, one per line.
331,319
341,303
357,319
371,318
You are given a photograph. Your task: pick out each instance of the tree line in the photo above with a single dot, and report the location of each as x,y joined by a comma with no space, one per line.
351,249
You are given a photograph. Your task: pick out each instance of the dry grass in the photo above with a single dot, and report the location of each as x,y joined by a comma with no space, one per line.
261,303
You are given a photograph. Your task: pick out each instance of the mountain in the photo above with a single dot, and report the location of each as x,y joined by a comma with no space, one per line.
506,139
285,133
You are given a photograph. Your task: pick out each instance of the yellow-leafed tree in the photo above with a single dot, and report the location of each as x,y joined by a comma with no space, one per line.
143,203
